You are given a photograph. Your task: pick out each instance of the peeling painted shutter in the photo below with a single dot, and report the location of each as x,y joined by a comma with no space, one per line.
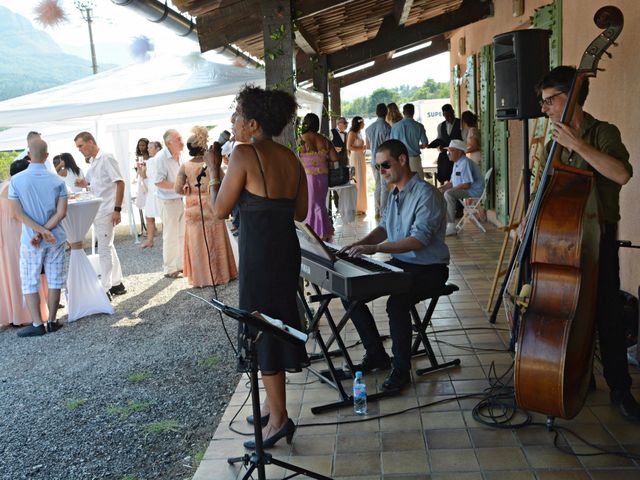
470,77
486,115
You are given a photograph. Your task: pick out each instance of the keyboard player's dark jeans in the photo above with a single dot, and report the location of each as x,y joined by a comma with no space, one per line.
426,279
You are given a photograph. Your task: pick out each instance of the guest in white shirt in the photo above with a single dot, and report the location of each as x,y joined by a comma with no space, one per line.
107,183
25,153
67,168
167,164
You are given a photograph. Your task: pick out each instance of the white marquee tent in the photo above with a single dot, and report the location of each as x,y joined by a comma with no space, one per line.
123,104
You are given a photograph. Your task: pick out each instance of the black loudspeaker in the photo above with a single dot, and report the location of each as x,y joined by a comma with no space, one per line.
521,59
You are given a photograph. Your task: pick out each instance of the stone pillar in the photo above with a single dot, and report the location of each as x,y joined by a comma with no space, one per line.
320,84
279,54
336,111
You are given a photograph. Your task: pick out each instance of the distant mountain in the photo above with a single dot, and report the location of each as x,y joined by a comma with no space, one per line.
31,60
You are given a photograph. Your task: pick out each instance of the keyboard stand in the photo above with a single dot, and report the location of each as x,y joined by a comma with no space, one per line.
336,376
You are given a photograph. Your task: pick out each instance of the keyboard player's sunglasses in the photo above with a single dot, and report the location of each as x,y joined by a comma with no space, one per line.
383,166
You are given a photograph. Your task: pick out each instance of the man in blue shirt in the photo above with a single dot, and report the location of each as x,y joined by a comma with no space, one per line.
466,181
377,133
412,134
411,230
39,200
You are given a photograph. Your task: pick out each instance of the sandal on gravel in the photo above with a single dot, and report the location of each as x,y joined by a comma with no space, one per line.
172,275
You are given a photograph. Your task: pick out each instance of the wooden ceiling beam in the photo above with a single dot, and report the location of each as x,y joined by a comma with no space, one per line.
401,10
304,42
308,8
392,37
384,64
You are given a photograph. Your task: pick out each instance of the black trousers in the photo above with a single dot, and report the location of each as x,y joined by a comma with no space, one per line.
613,349
425,279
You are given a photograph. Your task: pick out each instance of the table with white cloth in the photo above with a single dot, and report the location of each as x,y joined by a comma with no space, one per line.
348,195
85,295
430,173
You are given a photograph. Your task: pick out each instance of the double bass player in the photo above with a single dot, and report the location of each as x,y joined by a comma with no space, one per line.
597,146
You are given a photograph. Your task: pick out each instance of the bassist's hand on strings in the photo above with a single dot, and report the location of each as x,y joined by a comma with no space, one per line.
566,136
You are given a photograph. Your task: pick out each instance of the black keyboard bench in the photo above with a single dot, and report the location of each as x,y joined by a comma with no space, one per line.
420,326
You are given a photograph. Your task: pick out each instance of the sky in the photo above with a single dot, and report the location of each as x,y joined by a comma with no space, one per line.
115,27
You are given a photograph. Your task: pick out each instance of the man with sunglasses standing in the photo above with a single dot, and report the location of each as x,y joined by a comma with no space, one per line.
597,146
412,230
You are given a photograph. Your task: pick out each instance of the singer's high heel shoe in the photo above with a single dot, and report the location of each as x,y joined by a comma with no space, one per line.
263,420
287,431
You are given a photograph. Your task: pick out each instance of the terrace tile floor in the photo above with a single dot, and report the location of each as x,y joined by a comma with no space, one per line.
441,439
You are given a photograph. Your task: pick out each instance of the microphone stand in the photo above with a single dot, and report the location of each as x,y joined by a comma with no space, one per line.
247,355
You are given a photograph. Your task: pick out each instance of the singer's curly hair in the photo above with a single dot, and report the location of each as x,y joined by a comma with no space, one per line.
197,143
272,109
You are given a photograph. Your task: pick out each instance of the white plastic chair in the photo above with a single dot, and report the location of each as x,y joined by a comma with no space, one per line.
471,205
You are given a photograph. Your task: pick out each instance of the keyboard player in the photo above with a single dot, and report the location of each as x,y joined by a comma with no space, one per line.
412,230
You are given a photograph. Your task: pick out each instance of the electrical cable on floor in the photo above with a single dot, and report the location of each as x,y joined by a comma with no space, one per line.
499,409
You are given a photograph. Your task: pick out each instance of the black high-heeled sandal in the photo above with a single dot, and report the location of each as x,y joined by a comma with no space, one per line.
263,420
287,431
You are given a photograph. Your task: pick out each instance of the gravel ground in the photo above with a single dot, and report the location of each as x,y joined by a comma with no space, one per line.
85,402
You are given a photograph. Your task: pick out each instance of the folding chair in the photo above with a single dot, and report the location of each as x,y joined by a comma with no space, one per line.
471,205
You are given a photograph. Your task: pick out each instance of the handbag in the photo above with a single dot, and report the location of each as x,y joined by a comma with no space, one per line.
338,174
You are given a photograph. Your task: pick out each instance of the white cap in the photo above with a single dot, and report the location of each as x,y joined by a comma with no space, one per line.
458,145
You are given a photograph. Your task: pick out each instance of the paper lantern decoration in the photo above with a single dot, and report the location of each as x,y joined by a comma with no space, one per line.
49,13
141,48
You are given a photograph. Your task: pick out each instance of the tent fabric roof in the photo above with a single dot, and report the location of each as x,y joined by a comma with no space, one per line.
158,82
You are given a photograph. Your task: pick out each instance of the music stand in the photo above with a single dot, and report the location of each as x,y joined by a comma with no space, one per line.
249,337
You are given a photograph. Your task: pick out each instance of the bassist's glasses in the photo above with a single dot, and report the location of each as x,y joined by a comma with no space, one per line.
549,100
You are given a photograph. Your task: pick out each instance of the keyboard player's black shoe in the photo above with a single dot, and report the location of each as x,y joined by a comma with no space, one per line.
373,364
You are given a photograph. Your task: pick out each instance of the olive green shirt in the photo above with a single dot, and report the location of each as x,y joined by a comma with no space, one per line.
605,137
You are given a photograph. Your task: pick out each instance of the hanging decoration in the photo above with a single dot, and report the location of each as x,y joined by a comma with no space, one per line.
141,48
193,60
49,13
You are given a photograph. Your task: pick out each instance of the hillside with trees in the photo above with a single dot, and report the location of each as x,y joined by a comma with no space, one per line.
31,60
366,106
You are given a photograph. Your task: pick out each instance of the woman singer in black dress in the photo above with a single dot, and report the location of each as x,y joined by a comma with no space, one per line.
269,182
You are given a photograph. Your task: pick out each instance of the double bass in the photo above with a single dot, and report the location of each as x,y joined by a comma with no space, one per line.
556,333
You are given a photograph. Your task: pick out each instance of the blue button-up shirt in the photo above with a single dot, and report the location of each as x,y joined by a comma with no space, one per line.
411,133
377,133
418,211
38,191
468,171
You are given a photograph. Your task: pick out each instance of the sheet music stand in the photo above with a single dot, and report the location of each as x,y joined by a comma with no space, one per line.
247,353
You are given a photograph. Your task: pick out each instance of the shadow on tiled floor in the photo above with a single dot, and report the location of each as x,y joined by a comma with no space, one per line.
443,440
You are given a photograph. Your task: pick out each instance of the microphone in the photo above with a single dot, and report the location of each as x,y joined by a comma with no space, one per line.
203,173
224,137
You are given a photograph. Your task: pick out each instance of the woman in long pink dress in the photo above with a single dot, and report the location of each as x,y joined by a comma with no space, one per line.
356,148
315,154
197,268
13,310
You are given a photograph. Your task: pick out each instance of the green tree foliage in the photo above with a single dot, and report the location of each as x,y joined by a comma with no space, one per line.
381,95
5,161
366,106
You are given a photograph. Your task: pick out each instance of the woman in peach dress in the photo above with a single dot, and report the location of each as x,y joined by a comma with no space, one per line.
355,149
13,310
196,261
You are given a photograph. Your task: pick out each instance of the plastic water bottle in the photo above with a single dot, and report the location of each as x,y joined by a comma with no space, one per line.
359,395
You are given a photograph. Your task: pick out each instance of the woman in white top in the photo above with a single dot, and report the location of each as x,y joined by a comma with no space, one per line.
68,169
147,170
